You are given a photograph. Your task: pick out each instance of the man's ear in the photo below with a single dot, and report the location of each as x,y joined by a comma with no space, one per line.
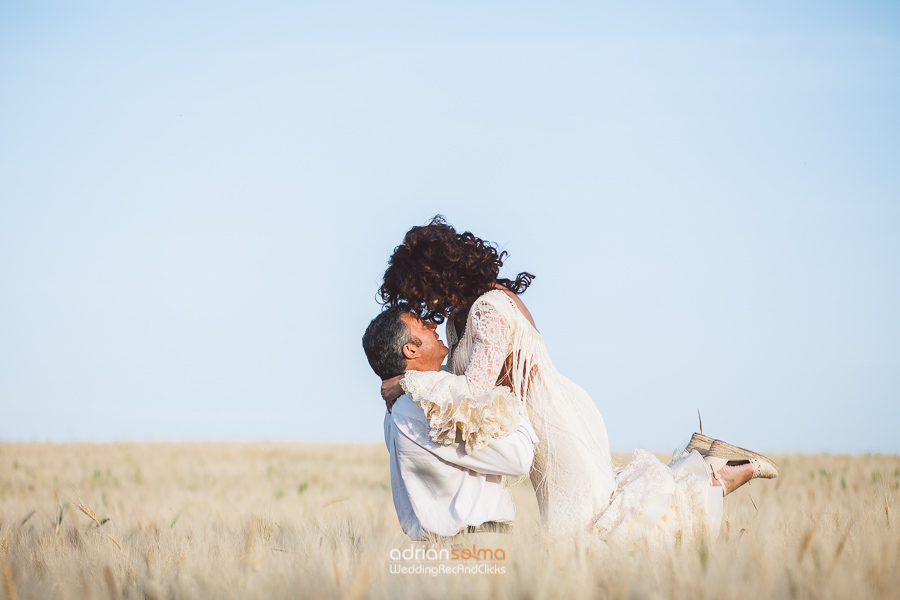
410,351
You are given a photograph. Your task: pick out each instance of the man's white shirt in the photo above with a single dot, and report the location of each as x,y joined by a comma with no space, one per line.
441,489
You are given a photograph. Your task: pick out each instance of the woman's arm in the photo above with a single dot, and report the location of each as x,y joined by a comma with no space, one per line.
391,390
490,345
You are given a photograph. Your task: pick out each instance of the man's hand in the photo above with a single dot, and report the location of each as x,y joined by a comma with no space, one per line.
391,390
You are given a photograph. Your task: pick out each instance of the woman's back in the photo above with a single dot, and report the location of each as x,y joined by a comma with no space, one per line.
572,473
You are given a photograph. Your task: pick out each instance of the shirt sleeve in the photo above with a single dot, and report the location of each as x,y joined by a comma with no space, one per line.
510,456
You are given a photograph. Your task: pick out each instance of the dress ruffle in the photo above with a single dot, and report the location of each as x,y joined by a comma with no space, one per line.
450,407
659,504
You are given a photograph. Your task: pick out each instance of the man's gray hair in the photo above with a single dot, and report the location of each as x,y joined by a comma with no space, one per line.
384,340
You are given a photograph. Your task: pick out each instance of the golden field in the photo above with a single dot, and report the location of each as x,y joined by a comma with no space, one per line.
317,521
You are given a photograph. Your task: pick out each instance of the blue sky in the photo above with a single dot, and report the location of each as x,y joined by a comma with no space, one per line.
197,203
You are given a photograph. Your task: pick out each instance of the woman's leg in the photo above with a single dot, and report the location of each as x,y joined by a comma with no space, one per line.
733,476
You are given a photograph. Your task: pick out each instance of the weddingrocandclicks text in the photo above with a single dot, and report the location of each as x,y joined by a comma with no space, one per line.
446,561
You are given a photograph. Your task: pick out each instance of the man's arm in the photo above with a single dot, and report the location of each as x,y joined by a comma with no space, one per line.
509,456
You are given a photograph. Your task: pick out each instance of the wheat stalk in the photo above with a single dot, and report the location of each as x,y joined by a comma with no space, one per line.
81,506
9,583
114,541
86,510
62,511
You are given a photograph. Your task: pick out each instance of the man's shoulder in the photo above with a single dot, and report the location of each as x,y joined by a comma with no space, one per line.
407,419
405,408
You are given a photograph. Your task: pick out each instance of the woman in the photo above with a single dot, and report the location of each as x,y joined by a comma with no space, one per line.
442,275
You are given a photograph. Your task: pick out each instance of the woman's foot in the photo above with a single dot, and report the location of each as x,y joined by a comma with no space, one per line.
731,477
762,466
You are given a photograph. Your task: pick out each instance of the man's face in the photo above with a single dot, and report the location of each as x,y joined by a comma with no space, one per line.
430,355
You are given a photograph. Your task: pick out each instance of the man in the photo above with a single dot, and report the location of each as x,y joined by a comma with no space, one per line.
439,490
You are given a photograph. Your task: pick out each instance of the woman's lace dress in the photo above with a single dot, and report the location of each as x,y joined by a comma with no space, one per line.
577,489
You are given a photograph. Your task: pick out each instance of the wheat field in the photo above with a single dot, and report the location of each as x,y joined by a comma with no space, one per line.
267,521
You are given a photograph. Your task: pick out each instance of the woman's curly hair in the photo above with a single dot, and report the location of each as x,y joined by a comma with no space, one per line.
436,270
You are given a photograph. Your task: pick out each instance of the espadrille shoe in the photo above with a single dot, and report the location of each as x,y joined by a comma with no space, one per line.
700,443
762,467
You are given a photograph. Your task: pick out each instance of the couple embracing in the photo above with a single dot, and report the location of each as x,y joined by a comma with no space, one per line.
501,410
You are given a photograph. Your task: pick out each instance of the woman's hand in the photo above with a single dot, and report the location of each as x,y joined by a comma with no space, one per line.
391,390
506,375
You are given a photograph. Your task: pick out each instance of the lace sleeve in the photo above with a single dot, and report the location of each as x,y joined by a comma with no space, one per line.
490,344
450,407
